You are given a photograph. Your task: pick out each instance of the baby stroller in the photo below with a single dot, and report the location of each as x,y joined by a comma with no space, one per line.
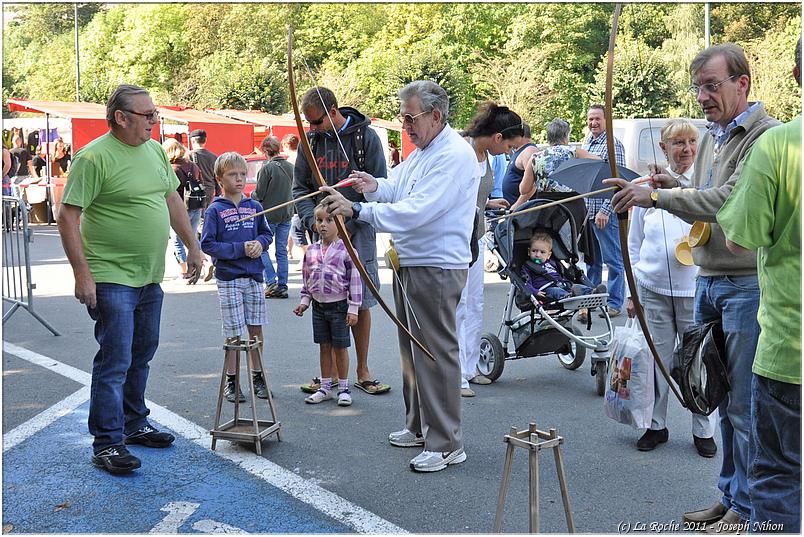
535,325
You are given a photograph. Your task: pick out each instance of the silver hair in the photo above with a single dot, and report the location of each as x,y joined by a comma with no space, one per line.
431,95
558,130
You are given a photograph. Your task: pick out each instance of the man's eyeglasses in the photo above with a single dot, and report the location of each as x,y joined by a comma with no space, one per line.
711,87
407,118
151,116
319,121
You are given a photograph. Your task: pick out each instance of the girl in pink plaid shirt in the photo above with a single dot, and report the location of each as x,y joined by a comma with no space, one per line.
332,284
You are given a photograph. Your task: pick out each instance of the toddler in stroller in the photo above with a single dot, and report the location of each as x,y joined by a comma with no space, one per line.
543,276
538,252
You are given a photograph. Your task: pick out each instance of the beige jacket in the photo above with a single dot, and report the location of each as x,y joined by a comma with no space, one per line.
705,197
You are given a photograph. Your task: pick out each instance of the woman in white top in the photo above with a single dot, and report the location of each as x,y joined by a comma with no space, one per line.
667,287
493,131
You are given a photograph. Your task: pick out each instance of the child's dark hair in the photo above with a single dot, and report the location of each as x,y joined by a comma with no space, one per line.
542,236
492,118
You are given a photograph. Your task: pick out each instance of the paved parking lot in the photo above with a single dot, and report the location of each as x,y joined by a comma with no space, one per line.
333,471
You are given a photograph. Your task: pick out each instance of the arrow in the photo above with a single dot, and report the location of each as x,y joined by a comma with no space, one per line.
341,184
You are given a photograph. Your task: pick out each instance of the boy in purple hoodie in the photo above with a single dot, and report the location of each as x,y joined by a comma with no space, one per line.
235,248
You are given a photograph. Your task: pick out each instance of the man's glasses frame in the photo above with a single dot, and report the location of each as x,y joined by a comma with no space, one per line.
710,87
153,116
407,118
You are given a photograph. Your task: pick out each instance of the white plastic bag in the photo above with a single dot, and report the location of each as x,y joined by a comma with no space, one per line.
630,390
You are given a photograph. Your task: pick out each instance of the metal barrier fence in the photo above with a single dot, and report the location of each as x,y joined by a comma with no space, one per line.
17,285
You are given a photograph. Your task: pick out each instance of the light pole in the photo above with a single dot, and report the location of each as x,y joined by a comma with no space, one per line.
707,35
77,61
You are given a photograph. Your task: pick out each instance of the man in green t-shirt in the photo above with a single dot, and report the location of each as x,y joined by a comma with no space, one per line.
763,213
123,190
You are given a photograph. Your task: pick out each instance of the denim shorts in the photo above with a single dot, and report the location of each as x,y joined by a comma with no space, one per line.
329,324
373,271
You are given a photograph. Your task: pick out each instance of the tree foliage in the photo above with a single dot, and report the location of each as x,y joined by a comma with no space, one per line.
543,60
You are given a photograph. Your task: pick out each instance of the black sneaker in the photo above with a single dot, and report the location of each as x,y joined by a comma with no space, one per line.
116,460
150,437
260,389
230,390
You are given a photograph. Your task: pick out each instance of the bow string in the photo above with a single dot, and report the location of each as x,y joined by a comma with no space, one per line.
623,216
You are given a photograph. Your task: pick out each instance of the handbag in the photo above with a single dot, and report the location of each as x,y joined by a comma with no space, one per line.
630,393
700,369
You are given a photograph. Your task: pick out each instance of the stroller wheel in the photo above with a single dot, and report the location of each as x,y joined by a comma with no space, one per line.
492,356
574,358
600,377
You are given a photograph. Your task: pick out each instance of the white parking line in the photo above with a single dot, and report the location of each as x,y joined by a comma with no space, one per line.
329,503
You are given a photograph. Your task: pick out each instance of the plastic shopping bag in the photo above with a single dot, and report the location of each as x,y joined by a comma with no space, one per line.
629,393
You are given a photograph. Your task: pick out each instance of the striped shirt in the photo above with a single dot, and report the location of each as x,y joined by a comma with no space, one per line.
599,146
329,275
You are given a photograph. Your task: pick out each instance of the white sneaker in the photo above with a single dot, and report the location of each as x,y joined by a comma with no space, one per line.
405,438
435,461
344,399
318,397
467,392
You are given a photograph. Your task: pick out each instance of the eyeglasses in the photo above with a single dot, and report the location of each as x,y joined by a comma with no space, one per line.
318,121
711,87
151,116
407,118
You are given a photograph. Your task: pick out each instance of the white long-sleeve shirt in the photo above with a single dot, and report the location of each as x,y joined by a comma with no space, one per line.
428,204
652,239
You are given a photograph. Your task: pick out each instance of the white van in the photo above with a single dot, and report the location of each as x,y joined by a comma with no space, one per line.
642,147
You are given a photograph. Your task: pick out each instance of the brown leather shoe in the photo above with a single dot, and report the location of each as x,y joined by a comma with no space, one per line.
730,523
710,514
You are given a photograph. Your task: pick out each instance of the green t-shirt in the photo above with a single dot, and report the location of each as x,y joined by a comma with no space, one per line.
763,213
125,221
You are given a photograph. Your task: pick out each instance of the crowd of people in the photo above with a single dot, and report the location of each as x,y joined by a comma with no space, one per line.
747,275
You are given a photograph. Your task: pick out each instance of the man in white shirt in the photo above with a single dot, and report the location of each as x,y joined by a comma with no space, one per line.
428,205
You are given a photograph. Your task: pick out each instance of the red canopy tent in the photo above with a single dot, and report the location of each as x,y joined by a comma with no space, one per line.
265,124
223,134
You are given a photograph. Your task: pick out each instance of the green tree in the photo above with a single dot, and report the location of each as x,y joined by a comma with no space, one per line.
641,85
772,59
685,28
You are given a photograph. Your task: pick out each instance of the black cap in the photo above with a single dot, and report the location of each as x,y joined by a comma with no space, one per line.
198,133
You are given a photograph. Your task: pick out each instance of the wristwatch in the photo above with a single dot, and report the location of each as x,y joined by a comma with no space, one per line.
654,197
356,210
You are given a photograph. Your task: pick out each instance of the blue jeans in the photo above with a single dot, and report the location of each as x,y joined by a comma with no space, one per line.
609,252
734,300
280,232
774,477
127,330
178,246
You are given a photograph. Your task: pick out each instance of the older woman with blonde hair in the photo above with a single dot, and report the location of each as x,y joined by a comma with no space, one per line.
191,189
666,283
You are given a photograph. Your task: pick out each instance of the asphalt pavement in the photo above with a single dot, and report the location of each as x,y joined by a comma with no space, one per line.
340,454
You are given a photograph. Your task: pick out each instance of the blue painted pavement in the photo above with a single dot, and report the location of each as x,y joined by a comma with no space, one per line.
50,486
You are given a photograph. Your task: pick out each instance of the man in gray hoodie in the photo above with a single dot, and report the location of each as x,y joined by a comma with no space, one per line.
342,141
727,288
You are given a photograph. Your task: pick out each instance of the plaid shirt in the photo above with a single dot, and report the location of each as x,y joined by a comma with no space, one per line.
330,276
599,146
